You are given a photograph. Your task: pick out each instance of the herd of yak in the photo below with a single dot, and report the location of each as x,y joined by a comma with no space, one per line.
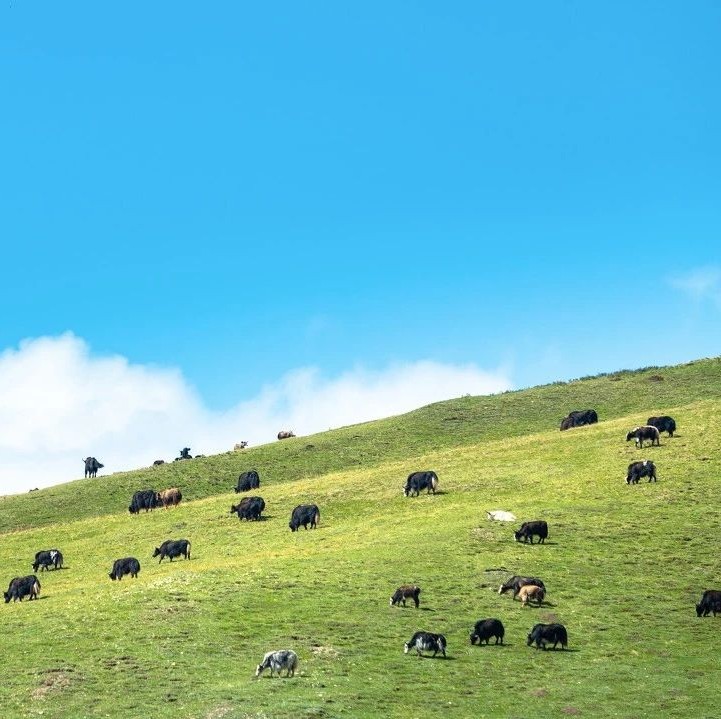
527,589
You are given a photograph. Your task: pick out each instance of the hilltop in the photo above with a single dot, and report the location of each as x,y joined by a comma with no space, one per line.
623,566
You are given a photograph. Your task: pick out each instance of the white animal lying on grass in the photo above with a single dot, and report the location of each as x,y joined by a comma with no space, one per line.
500,515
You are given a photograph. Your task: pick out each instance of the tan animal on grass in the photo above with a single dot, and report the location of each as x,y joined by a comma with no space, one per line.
532,593
169,497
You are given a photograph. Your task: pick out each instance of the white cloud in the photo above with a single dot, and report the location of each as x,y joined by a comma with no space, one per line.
700,284
61,403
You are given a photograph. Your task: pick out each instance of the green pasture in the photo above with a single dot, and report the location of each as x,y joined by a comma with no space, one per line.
623,567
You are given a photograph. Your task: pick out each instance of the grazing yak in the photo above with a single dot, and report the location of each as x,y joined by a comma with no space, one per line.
21,587
173,548
516,582
528,530
418,481
406,591
543,634
121,567
710,602
487,628
91,467
158,462
531,592
285,434
249,508
304,514
169,497
146,499
636,470
240,445
640,434
663,424
277,661
247,481
426,642
46,558
578,418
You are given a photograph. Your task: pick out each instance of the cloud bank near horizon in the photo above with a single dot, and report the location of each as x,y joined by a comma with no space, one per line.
62,403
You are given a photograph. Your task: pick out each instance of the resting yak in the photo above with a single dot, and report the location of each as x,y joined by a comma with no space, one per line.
578,418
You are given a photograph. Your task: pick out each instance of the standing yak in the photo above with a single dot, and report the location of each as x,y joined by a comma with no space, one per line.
641,434
146,499
663,424
91,467
418,481
247,481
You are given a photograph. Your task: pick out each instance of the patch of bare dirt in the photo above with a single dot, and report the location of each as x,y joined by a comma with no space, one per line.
55,680
325,652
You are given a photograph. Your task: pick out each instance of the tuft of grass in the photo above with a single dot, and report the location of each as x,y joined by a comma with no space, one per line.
623,567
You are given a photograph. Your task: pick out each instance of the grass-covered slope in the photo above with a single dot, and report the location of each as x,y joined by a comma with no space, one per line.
623,567
454,423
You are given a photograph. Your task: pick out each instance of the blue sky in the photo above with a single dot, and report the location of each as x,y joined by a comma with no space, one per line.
241,190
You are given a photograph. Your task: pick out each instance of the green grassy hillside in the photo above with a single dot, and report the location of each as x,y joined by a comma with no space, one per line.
454,423
623,567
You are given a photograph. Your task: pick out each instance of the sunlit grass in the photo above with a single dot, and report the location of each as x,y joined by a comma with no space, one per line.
623,567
